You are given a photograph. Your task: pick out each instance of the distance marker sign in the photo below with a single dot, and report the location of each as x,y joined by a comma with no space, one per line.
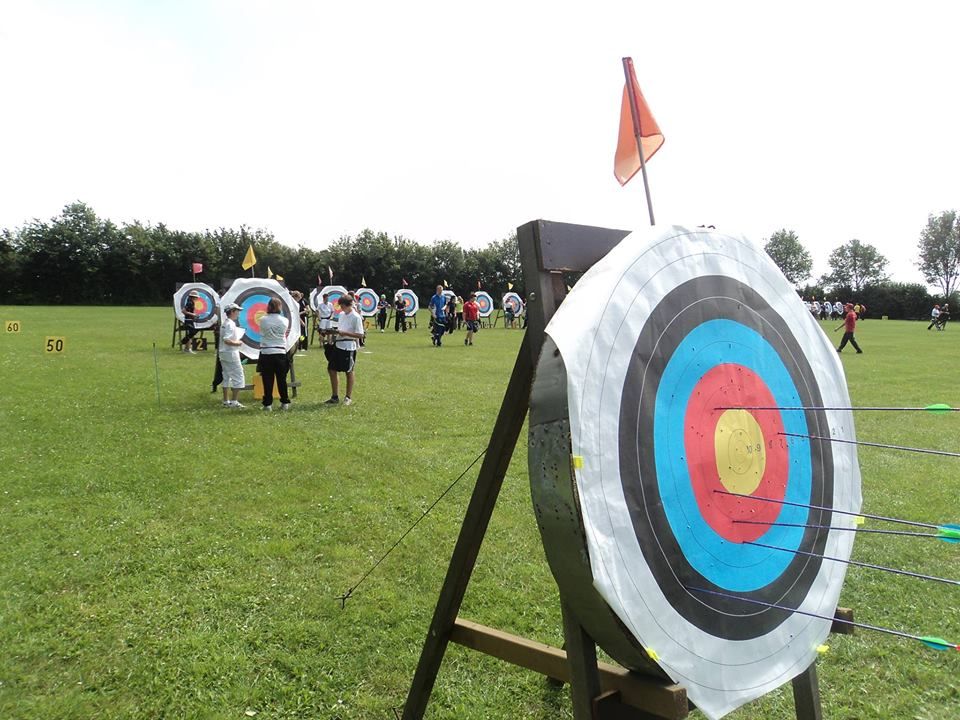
659,464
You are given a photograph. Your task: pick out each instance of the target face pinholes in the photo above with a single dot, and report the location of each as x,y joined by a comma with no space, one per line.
693,327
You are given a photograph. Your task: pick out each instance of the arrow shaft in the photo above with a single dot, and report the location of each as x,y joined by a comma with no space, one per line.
865,626
861,408
925,451
836,527
833,510
870,566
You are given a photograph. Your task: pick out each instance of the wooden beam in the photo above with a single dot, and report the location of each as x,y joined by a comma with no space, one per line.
659,698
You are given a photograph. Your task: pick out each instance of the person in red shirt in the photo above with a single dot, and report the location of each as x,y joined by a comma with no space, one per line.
849,325
471,316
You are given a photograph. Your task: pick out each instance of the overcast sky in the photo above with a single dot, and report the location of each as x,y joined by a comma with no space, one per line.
454,120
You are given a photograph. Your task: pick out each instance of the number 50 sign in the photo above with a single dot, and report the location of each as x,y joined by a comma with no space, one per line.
54,345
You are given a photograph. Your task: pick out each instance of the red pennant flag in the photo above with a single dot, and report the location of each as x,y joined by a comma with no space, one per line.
626,161
330,272
479,286
403,281
197,268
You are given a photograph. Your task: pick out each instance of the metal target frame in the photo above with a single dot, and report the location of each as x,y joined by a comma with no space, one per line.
598,690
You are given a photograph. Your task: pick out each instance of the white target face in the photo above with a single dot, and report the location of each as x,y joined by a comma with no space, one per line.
253,296
670,472
204,304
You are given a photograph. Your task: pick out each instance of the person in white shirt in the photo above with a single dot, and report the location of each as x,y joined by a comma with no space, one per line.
344,357
229,352
274,364
934,317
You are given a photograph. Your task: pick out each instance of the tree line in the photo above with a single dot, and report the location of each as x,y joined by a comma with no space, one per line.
78,258
858,271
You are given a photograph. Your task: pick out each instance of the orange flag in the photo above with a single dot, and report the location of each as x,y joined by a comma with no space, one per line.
626,161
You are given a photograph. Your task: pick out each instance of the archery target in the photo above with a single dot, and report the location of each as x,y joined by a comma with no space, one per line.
411,303
484,303
514,302
336,292
693,326
315,299
253,295
204,306
367,300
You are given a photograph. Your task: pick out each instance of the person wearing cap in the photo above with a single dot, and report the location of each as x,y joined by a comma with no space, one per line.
382,307
849,326
229,354
189,319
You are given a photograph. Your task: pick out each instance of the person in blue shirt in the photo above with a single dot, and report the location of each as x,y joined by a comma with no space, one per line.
438,314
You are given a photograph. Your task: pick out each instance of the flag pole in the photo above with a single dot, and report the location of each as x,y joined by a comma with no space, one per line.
635,114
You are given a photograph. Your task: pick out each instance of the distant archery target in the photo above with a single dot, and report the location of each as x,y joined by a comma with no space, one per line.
514,302
315,299
336,292
411,303
484,303
367,299
253,295
695,326
204,306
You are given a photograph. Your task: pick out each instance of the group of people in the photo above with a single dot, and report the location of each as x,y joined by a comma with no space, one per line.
450,312
939,317
829,310
341,332
340,343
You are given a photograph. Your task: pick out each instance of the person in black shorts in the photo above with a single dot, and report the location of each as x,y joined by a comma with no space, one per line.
344,356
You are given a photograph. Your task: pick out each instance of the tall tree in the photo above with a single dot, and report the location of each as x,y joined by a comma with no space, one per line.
790,255
939,249
855,265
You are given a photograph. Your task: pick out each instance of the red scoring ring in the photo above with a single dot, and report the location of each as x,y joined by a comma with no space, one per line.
731,385
251,315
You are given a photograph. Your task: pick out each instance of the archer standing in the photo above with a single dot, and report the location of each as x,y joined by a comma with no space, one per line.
438,313
382,307
471,315
849,326
274,363
189,321
399,314
344,359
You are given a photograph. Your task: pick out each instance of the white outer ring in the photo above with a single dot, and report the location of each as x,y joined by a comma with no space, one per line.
187,287
596,344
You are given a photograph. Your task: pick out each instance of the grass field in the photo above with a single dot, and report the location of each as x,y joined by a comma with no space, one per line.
183,561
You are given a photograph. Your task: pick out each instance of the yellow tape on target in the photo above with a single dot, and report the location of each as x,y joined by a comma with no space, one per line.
54,345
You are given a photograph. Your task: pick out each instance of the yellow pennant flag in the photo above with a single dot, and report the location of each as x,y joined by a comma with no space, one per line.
446,284
363,281
279,278
509,286
269,272
249,260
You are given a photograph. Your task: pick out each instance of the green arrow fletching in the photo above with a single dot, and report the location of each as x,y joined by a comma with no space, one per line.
938,408
949,533
937,643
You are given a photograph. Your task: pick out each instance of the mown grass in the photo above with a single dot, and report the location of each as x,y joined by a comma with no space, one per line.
184,561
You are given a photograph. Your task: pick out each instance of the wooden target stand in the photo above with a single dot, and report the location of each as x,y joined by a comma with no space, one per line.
599,691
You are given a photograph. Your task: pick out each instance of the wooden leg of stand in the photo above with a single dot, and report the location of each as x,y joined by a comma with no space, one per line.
503,439
806,694
582,656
